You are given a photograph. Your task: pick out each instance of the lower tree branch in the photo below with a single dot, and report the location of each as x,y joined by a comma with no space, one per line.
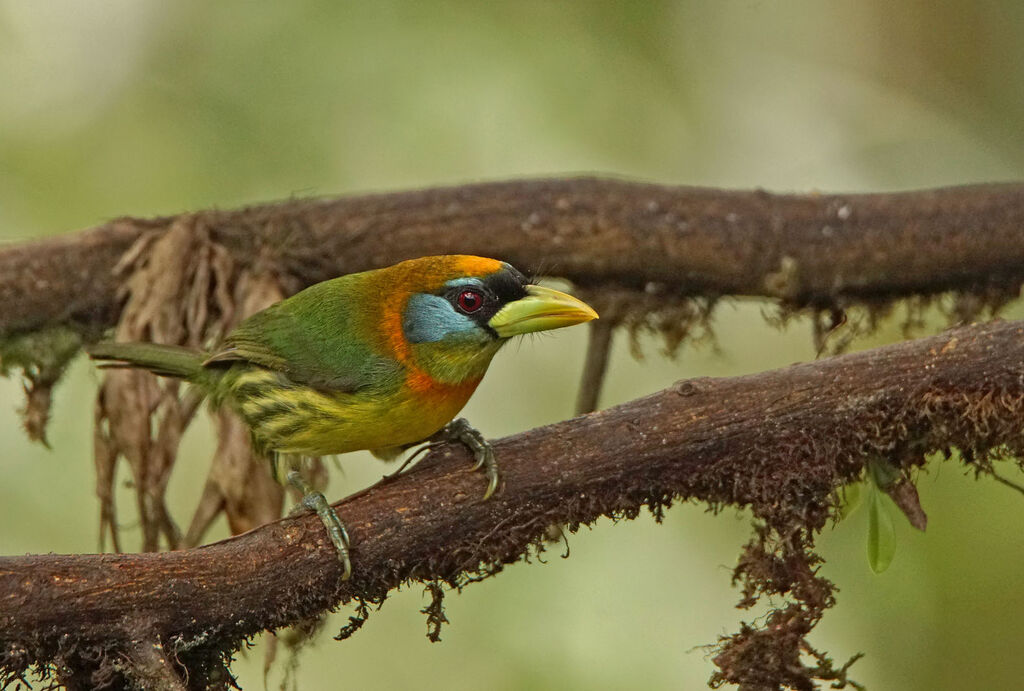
779,442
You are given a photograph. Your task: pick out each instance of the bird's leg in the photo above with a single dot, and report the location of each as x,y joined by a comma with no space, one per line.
460,430
315,501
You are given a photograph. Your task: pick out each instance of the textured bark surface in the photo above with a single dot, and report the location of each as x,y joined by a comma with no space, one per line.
818,250
780,442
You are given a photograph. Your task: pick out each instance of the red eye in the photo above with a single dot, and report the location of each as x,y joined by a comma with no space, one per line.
470,301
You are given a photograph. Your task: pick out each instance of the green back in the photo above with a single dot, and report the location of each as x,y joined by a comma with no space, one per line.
324,337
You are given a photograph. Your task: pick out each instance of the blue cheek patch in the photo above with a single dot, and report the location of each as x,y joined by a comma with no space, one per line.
431,318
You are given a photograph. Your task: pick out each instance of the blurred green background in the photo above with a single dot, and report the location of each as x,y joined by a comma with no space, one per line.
146,108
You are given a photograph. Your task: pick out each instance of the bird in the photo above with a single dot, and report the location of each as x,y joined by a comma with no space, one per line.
380,360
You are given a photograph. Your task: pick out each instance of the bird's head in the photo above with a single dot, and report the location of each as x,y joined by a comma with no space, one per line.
461,309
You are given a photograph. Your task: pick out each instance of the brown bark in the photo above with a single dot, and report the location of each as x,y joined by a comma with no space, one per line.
780,442
820,250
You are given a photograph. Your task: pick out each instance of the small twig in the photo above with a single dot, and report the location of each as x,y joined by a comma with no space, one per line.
149,667
595,366
1006,481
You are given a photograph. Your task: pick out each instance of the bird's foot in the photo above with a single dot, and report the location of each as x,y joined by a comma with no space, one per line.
408,461
315,501
460,430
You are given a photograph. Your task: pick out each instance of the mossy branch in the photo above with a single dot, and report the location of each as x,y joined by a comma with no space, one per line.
819,250
781,442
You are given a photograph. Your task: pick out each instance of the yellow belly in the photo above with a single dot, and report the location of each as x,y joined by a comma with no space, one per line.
300,420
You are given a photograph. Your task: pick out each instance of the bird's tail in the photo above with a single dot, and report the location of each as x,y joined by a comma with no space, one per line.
165,360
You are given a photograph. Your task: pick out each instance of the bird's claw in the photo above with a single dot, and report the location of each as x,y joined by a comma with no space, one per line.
316,502
460,430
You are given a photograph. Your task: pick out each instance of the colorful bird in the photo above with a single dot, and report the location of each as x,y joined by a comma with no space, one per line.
379,360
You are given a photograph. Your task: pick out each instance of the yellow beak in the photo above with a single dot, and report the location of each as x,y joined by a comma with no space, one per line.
542,309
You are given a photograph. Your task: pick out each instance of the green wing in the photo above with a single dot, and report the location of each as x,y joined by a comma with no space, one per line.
316,338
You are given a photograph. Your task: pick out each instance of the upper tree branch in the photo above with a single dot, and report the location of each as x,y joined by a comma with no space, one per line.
779,442
807,249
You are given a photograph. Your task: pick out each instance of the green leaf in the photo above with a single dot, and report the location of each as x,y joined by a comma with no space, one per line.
881,534
850,497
